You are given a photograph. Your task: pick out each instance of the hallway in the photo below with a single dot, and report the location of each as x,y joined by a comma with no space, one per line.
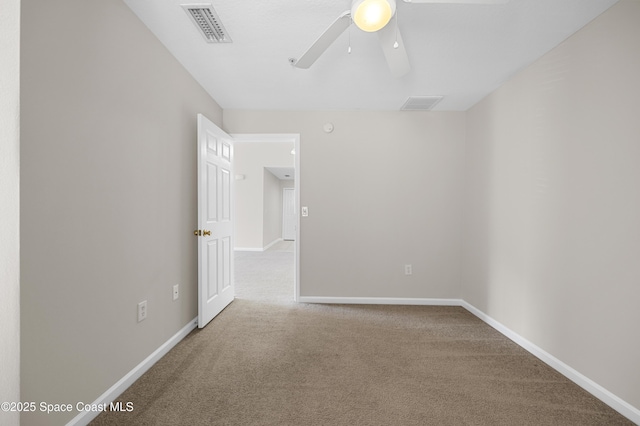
266,276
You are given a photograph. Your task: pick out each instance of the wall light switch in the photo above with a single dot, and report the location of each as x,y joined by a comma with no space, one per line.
142,310
305,211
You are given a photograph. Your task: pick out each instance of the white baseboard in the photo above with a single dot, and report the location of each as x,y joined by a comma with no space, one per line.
380,301
618,404
613,401
121,385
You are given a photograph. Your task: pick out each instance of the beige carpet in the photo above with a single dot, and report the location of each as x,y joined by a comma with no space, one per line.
267,361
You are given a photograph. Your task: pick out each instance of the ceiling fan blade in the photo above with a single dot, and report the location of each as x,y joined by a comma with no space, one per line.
459,1
324,41
396,57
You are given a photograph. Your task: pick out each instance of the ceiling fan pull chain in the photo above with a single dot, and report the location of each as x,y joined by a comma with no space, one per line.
395,45
349,49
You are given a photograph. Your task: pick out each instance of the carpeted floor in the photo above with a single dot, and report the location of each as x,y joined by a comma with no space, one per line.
266,276
267,361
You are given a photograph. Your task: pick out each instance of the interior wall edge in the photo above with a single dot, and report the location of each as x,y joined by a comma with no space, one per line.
10,207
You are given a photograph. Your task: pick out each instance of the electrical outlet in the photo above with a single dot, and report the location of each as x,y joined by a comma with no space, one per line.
142,310
176,291
408,270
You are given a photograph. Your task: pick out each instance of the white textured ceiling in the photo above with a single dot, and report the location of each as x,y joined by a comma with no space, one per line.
461,52
282,173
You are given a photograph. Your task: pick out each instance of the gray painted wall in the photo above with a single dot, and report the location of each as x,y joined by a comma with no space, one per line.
383,190
552,173
108,186
9,206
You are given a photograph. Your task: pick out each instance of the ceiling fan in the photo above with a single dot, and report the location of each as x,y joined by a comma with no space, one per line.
374,16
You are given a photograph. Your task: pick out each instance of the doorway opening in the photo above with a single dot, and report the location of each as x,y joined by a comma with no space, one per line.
267,174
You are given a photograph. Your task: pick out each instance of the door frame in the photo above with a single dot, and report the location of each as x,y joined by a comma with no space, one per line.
283,137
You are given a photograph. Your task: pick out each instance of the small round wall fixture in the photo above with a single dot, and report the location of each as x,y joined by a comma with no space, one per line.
328,128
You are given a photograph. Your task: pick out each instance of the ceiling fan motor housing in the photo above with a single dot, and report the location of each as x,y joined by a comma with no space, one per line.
372,15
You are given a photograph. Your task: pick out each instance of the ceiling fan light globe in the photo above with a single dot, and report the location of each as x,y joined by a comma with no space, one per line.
372,15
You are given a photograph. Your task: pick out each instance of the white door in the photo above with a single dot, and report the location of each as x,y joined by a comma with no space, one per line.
215,226
289,214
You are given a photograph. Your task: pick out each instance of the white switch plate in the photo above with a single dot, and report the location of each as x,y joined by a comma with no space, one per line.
176,291
305,211
408,270
142,310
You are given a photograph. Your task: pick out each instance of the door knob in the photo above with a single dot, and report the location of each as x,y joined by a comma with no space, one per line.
206,232
197,232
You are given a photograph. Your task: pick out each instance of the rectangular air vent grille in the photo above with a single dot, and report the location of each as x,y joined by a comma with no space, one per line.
208,22
421,103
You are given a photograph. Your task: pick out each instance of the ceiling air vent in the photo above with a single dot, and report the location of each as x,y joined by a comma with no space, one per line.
420,103
208,22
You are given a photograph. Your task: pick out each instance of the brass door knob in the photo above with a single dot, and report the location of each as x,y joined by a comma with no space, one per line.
197,232
206,232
